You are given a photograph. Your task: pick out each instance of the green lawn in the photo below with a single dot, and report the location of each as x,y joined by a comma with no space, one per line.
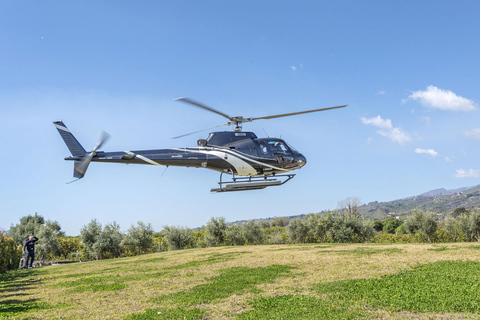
317,281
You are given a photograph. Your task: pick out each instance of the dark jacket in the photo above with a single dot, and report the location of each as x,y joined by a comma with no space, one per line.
30,245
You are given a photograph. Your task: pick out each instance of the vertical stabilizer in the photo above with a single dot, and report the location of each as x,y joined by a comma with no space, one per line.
73,145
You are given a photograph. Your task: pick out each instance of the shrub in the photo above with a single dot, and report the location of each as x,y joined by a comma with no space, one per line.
234,235
297,230
422,222
139,239
10,254
215,231
178,237
252,232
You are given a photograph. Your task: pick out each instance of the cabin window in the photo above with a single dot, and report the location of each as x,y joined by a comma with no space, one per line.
263,148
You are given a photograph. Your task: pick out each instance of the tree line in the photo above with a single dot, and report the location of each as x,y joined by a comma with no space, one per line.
345,225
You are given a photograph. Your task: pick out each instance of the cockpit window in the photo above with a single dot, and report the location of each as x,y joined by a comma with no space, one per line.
291,148
278,146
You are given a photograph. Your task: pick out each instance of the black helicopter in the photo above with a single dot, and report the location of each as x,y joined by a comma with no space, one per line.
254,163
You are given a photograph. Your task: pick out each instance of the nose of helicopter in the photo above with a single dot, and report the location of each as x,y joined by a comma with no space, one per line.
301,160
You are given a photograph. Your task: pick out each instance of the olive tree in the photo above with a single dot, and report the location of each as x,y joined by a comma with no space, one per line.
28,226
89,236
422,222
317,228
252,232
178,237
297,230
349,207
215,231
109,241
234,235
47,246
470,224
139,239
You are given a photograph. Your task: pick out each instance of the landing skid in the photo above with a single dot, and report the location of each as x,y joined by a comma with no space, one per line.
251,183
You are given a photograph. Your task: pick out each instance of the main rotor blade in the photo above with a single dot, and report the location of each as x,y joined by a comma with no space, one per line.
295,113
187,134
198,104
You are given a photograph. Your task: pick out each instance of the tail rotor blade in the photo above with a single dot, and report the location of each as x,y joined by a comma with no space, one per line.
81,166
103,138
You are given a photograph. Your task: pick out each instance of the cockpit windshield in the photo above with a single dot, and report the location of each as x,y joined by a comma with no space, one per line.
291,148
278,146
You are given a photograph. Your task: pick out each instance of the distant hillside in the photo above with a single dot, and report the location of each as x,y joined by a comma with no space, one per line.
442,191
438,200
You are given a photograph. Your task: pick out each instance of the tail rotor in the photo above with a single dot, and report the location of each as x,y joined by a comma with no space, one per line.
81,166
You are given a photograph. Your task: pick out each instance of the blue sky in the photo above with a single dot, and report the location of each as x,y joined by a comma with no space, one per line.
409,72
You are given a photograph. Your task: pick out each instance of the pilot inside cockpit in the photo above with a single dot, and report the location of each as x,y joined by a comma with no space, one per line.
278,146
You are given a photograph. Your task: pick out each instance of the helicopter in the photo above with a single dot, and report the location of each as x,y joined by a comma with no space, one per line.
253,163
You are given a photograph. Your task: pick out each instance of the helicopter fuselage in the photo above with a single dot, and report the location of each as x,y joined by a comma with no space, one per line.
237,153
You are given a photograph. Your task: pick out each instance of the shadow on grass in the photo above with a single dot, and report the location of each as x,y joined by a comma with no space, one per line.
13,307
14,294
15,280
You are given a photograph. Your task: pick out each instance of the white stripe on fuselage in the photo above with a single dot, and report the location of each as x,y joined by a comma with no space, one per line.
239,154
149,161
243,168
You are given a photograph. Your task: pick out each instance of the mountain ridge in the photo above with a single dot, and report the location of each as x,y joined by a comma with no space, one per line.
441,201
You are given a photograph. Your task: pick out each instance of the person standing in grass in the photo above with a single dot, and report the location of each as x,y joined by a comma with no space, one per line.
29,249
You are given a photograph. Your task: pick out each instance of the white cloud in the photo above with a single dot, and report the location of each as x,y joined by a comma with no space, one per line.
381,93
394,134
430,152
378,122
474,133
427,120
471,173
448,159
441,99
294,68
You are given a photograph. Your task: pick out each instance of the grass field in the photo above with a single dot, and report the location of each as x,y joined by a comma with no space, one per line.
317,281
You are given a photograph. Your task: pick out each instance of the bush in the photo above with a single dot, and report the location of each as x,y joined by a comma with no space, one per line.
317,228
234,235
385,237
215,231
177,237
252,231
297,230
391,224
139,239
345,229
10,254
422,222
